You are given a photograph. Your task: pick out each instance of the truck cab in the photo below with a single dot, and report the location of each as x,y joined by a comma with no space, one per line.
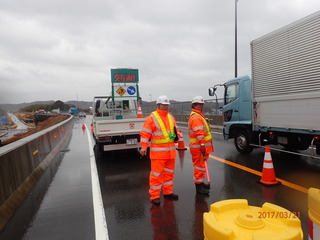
237,105
237,112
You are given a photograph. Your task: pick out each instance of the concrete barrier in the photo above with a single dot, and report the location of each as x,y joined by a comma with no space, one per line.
22,163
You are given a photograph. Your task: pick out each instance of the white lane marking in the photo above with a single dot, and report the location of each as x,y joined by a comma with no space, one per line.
101,228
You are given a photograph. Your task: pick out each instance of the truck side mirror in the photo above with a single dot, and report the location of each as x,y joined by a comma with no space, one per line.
212,91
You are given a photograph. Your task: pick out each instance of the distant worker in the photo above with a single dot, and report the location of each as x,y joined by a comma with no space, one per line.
200,143
160,130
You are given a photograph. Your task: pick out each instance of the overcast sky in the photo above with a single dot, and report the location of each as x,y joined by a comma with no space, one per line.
64,49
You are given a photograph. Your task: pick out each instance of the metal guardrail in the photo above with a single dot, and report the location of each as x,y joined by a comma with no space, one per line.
211,107
181,110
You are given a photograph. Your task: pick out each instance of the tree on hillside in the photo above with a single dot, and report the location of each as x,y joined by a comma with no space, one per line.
37,107
61,105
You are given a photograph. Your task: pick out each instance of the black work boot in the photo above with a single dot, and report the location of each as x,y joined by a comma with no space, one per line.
155,201
201,189
171,196
206,185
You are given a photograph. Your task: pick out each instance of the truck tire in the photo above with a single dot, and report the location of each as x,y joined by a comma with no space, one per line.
242,141
98,150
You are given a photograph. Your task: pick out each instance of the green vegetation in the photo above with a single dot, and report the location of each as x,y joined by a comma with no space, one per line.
47,107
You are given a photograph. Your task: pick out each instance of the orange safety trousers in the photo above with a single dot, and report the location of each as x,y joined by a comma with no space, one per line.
199,169
161,177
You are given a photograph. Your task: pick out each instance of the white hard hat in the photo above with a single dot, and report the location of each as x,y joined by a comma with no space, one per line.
163,100
197,99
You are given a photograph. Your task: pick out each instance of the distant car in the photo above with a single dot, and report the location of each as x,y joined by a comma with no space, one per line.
41,111
82,114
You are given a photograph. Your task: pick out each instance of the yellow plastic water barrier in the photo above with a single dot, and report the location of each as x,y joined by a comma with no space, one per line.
314,213
234,219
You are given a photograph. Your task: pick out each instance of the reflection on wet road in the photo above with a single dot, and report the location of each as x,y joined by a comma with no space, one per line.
129,213
67,210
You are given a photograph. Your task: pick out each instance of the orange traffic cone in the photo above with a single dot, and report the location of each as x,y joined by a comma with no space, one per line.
181,145
139,115
83,126
268,175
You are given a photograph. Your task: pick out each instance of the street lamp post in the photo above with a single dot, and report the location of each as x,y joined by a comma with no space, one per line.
235,43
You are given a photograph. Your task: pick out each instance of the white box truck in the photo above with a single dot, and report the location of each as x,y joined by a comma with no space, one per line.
279,103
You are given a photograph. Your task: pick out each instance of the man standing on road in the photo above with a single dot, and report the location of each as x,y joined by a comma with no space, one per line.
159,129
200,143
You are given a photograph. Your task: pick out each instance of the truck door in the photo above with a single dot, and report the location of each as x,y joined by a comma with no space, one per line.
230,108
231,103
245,101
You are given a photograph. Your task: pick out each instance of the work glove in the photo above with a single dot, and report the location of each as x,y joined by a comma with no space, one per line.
202,149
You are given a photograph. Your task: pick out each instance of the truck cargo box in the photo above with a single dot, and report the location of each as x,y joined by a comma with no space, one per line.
286,77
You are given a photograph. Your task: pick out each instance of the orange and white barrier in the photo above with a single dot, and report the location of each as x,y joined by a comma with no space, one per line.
181,145
268,175
139,114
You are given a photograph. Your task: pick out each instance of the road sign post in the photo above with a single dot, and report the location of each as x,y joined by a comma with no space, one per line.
125,83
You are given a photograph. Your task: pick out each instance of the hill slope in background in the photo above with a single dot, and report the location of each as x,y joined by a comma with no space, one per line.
17,107
176,106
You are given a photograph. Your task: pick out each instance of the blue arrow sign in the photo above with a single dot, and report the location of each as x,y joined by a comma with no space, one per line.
131,90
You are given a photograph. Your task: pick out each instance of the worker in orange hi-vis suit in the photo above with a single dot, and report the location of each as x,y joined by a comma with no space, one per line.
200,143
160,130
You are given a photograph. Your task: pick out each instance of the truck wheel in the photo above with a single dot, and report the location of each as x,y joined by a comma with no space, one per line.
98,150
242,142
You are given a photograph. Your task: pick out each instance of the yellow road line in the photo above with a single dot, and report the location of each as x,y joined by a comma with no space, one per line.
284,182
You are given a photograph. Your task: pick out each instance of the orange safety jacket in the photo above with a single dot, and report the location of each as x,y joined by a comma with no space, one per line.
158,129
199,131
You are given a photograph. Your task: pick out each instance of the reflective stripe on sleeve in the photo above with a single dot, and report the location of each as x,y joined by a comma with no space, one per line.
162,149
146,130
197,128
168,170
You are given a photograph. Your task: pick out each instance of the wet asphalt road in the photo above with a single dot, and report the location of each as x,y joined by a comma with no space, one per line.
66,210
130,215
